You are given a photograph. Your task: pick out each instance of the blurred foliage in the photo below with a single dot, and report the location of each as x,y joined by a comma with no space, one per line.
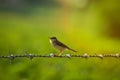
91,26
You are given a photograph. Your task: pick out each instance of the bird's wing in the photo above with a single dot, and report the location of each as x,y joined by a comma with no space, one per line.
63,45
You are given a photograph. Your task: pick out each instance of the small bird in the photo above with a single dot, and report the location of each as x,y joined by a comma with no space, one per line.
59,45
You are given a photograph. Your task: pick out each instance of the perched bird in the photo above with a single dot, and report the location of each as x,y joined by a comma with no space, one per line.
59,45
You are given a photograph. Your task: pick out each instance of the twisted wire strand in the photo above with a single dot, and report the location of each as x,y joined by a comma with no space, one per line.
31,56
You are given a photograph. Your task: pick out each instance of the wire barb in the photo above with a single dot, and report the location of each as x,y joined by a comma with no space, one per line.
30,56
11,57
117,55
68,56
51,55
86,56
100,56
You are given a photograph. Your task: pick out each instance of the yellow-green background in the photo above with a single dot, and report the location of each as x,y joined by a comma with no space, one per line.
92,28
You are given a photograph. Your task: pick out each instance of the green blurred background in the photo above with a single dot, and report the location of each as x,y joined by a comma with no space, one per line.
88,26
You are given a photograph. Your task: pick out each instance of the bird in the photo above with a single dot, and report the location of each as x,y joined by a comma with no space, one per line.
59,45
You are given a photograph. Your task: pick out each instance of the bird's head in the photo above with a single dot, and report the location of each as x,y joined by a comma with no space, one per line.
53,38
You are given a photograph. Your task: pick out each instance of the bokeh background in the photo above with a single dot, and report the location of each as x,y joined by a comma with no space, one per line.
88,26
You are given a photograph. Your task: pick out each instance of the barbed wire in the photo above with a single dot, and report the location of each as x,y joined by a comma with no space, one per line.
11,57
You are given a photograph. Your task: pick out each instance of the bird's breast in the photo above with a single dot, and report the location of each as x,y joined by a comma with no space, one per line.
53,43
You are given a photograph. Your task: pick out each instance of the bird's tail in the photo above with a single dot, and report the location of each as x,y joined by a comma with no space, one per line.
72,50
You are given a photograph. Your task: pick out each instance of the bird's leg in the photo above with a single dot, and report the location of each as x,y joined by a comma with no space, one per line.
59,53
